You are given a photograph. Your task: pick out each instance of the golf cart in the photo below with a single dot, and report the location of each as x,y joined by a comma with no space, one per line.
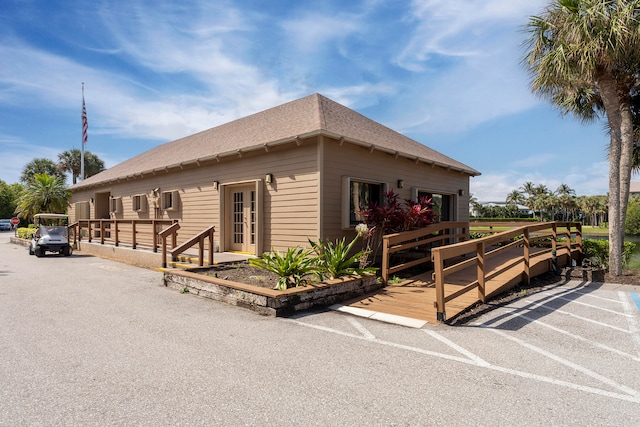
50,238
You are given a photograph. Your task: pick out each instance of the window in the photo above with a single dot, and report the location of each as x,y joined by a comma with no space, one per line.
140,203
442,205
170,200
115,204
82,210
357,195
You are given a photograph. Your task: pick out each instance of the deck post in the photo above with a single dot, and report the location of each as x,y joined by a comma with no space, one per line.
164,251
133,232
89,230
115,224
385,260
211,242
439,273
527,258
201,251
579,242
481,271
102,232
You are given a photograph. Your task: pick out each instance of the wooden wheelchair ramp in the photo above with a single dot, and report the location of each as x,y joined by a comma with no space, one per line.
414,301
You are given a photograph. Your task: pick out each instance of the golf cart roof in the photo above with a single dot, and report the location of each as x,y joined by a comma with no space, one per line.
40,216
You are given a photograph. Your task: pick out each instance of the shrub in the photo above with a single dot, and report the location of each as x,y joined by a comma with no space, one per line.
333,259
291,267
596,252
26,232
632,224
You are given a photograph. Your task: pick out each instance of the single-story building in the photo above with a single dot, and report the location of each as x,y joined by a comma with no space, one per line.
276,178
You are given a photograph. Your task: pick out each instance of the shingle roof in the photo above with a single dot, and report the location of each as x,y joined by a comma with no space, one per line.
314,114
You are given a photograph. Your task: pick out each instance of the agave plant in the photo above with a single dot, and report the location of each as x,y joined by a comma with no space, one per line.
292,267
333,259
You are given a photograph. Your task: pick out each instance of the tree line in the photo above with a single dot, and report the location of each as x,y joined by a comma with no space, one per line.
42,187
545,205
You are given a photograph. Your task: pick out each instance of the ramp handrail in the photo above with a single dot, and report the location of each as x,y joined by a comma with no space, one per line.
199,238
426,238
481,250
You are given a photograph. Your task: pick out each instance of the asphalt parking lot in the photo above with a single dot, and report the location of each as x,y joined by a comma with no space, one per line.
87,341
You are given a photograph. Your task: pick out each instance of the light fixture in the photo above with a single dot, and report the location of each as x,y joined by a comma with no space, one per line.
215,185
400,183
461,192
91,200
268,178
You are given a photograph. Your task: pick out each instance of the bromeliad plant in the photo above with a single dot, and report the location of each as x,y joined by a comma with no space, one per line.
292,267
333,260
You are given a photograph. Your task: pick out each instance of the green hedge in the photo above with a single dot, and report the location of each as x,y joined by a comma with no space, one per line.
26,232
596,252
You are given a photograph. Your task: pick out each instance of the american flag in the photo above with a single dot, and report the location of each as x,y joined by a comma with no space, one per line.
85,124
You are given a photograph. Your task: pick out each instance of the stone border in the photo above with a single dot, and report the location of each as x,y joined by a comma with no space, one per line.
271,302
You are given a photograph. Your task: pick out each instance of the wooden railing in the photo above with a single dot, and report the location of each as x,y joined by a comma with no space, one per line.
453,258
418,243
491,227
199,238
134,232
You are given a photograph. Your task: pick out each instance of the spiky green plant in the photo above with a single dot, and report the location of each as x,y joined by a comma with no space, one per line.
333,258
291,267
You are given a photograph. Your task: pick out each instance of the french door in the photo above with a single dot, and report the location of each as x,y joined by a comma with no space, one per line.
241,219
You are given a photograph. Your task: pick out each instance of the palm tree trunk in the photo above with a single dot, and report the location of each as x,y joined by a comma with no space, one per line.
626,162
613,109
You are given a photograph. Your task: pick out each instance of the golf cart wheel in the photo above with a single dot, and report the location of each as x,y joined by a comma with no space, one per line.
38,252
67,251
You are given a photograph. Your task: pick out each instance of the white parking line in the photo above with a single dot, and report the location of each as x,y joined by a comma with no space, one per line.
616,312
629,394
544,305
572,335
568,363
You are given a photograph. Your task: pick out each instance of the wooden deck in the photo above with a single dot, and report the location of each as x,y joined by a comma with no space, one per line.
415,298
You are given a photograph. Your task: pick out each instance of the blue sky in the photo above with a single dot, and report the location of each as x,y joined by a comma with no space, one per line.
445,73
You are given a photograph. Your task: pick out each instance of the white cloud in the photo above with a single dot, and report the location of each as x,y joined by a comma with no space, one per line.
464,58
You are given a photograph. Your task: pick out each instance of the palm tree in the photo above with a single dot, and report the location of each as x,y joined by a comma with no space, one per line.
43,194
37,166
584,57
514,198
69,161
566,196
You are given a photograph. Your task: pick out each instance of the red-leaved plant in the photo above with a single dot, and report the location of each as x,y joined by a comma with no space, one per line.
392,216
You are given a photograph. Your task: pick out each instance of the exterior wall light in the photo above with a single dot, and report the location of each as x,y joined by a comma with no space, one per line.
268,178
461,192
216,184
400,183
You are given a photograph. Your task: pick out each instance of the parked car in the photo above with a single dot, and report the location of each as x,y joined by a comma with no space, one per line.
5,224
50,238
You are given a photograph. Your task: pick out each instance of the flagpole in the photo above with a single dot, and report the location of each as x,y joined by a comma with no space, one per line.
84,135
